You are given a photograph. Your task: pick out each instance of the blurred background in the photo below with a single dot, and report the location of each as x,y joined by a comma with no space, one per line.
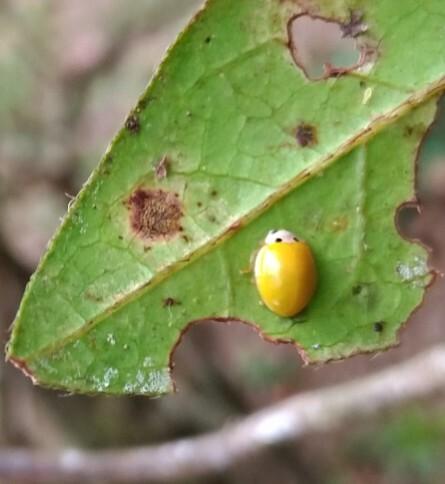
69,73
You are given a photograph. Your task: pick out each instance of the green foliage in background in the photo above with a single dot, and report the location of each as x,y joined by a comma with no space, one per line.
408,448
214,154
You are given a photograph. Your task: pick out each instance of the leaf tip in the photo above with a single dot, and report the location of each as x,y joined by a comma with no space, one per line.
22,366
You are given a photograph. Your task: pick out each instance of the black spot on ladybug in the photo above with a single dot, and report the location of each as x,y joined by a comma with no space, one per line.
379,326
154,214
306,135
132,124
278,240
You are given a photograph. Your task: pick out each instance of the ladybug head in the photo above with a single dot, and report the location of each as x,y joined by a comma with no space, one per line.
280,236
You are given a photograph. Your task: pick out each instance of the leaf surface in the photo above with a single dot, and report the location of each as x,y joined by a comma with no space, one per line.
209,161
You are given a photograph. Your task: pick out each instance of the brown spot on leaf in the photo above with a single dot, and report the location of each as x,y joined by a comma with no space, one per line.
161,168
306,135
132,124
92,296
416,129
409,130
155,214
355,25
143,103
379,326
170,302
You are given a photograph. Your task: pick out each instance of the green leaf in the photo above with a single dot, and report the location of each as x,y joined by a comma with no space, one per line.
212,155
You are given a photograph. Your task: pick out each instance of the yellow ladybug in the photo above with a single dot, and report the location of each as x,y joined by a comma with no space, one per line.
285,273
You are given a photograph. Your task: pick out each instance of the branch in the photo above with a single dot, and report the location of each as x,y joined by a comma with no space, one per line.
314,411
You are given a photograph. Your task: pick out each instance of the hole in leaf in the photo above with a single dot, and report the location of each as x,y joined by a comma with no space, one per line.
209,350
406,220
324,48
422,219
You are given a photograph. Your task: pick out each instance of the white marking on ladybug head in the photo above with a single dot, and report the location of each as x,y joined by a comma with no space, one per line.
280,236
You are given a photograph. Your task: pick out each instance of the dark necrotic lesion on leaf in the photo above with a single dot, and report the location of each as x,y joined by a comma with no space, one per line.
306,135
379,326
170,302
132,124
355,26
155,214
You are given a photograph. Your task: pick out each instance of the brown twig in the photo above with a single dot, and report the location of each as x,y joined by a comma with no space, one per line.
293,418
